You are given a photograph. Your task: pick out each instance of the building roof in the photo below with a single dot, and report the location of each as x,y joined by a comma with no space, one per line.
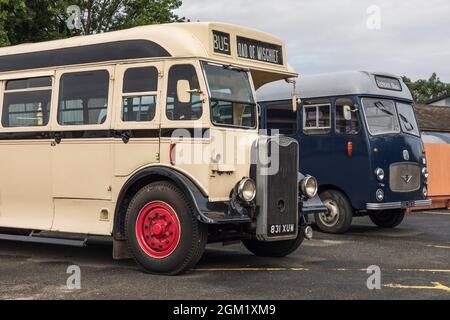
433,118
334,84
442,97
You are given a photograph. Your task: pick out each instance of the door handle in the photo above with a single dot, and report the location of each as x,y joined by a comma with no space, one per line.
125,136
57,137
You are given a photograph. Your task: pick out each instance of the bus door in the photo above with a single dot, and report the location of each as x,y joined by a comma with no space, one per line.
185,138
25,162
82,150
138,113
350,150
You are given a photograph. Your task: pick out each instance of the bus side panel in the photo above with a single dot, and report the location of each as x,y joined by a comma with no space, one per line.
26,184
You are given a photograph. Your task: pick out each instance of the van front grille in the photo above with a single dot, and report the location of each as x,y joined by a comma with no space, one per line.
404,177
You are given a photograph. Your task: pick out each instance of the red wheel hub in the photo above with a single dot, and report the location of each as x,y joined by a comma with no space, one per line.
158,230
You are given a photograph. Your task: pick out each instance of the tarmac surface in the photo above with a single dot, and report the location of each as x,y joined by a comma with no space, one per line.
414,261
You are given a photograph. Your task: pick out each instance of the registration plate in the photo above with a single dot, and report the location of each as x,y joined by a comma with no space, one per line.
407,204
281,229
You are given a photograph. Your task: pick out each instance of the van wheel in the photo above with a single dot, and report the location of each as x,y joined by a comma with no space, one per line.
388,218
338,218
277,249
162,231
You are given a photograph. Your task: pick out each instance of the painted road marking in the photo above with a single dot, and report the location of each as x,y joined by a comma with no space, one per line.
251,269
438,246
425,270
439,213
436,286
306,269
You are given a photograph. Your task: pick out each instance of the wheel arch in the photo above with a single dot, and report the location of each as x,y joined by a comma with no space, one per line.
143,177
326,187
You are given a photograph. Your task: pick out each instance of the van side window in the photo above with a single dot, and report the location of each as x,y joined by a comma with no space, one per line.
26,102
83,98
317,117
347,117
140,90
177,110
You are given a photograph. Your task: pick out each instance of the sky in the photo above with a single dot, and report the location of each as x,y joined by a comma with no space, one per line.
403,37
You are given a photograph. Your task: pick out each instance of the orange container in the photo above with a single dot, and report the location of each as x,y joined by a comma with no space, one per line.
438,158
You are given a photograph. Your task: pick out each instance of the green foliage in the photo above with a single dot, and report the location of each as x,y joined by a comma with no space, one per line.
425,90
24,21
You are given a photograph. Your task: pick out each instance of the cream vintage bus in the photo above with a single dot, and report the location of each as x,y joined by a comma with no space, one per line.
95,132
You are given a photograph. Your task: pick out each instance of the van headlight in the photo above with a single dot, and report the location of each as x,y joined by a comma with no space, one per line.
380,174
425,172
308,187
246,189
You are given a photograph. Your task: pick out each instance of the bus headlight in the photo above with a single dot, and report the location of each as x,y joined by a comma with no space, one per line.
424,161
246,189
380,195
425,172
380,174
308,187
425,192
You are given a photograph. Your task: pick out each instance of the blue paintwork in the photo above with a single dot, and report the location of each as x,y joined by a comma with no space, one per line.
326,157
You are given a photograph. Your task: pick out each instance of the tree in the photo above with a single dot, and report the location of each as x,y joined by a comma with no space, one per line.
40,20
424,90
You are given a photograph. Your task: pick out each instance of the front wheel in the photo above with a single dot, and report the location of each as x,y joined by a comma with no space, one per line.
388,218
162,231
339,215
276,249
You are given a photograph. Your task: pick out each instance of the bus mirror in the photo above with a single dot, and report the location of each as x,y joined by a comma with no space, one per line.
184,91
347,113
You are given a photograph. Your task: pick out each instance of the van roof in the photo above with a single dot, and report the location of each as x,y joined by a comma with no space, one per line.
335,84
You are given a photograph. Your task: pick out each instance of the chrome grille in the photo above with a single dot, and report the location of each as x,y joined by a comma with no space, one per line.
404,177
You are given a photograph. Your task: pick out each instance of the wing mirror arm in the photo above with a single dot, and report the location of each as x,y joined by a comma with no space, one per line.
295,98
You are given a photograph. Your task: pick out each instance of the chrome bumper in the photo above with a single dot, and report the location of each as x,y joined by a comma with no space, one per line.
399,205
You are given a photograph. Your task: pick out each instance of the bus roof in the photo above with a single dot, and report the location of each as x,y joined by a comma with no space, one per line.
263,54
338,84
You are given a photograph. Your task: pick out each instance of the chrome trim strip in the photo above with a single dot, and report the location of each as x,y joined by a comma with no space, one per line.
397,205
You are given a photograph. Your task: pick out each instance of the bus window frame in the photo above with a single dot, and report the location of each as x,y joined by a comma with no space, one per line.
120,95
25,75
56,126
208,99
357,112
309,131
415,118
367,127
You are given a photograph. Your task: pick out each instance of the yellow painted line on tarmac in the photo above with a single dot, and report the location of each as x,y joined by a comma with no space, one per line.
438,246
425,270
250,269
435,286
306,269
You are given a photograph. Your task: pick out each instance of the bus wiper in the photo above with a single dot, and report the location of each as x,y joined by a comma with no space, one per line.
381,107
230,67
408,124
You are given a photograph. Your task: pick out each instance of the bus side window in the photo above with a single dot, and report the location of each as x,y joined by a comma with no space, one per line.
140,90
177,110
347,120
26,102
317,117
83,98
281,117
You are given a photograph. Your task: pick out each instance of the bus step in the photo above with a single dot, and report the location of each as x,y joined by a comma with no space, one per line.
46,239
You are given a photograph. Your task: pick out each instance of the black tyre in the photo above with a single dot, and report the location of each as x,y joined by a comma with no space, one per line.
388,218
339,216
162,231
276,249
